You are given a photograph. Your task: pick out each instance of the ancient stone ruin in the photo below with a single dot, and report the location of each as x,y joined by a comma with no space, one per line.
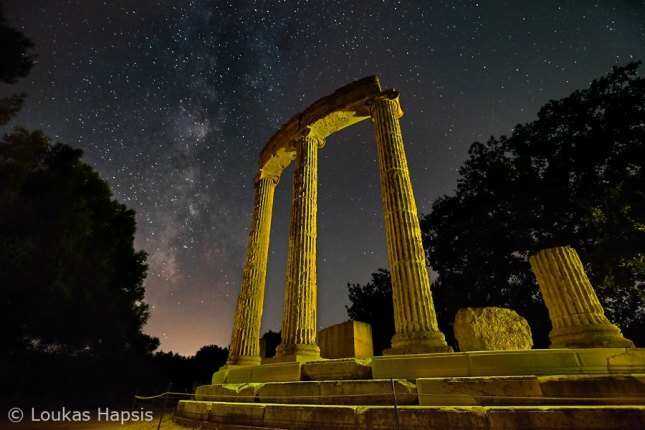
346,340
299,140
576,315
419,383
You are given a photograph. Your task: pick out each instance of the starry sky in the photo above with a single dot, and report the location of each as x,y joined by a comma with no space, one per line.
172,102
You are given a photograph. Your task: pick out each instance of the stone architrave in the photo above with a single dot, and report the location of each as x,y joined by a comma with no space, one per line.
577,317
415,321
245,347
491,329
300,296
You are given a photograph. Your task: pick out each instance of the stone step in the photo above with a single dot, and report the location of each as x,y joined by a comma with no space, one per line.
222,415
486,390
318,370
342,392
533,390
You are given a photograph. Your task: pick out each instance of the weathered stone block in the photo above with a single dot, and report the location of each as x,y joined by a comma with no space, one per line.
275,372
487,390
420,365
228,392
528,362
491,329
508,363
340,368
366,392
346,340
532,390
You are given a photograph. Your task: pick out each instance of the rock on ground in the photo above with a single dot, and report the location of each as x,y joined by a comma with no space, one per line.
491,328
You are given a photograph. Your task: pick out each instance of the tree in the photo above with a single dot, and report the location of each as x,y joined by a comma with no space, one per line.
372,303
72,281
269,343
206,361
15,62
574,176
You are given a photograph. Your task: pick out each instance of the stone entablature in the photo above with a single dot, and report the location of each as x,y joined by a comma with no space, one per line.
345,107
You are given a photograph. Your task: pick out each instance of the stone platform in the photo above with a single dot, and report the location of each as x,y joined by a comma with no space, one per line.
453,364
481,391
536,389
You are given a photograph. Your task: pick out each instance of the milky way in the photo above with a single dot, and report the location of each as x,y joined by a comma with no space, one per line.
173,100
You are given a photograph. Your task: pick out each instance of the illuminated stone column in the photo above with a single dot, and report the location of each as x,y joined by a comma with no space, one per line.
577,317
300,295
245,339
415,321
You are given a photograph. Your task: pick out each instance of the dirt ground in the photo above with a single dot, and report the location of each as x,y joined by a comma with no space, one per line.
166,424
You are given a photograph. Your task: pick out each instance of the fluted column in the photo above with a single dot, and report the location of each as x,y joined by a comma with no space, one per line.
300,295
245,339
577,317
415,321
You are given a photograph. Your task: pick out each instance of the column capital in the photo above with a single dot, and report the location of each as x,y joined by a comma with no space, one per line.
309,134
388,98
262,175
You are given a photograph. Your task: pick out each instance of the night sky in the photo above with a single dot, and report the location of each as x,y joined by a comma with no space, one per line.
173,100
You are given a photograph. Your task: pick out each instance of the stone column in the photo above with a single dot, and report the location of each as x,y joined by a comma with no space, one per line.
577,317
245,339
300,295
415,321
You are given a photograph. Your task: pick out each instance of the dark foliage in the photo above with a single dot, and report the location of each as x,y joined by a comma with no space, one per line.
10,106
574,176
206,361
269,342
372,303
15,62
66,254
41,379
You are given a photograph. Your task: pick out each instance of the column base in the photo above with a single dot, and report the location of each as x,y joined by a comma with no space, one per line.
591,336
245,360
297,353
418,343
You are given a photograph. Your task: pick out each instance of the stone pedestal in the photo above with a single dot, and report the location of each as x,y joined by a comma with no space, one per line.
351,339
245,347
577,317
415,320
300,296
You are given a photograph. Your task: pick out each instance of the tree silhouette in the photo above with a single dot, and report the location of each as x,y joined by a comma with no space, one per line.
574,176
206,361
72,281
269,343
15,62
372,303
